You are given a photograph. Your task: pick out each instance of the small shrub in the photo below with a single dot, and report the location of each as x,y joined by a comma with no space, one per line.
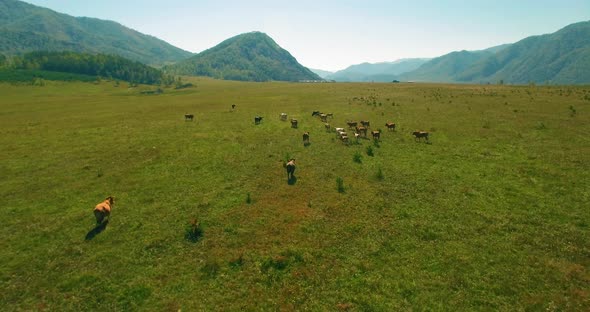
357,157
379,175
340,185
278,263
193,231
237,262
370,151
210,269
572,111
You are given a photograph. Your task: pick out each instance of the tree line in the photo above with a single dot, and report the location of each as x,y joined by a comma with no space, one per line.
102,65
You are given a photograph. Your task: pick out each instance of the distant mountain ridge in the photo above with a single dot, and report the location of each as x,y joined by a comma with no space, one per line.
562,57
322,73
380,72
251,56
25,28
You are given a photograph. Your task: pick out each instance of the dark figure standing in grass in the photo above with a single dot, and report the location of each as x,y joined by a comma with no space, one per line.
290,169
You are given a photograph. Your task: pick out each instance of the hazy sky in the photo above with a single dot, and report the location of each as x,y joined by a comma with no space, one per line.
334,34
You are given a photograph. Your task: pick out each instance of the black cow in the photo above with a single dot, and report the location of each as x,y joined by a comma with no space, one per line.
189,117
306,138
290,166
257,120
315,113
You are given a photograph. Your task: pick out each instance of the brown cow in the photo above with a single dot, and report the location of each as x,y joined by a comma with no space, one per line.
390,126
324,117
365,123
361,130
293,123
418,135
327,125
351,124
103,209
376,135
306,138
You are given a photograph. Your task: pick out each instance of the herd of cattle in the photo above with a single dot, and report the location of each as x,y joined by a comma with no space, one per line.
360,128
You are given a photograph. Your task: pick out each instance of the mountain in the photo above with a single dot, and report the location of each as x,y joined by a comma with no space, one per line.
25,27
322,73
445,68
384,72
251,56
562,57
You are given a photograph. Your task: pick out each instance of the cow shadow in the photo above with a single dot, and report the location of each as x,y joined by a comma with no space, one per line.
97,230
292,180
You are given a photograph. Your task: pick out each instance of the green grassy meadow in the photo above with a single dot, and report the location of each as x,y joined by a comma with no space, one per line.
492,215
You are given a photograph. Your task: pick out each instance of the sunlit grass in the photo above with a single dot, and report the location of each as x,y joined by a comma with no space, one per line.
491,215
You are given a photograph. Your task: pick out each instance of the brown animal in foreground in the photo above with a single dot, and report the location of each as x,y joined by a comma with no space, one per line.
418,135
390,126
103,209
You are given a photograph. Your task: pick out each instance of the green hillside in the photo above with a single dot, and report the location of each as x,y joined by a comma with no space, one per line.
25,28
108,66
559,58
251,56
446,68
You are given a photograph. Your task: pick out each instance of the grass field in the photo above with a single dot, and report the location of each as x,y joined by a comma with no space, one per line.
492,215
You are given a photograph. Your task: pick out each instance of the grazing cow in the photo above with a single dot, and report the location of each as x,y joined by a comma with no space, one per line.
189,117
324,117
293,123
327,125
390,126
357,136
283,117
418,135
339,129
315,113
342,133
351,124
233,106
306,138
330,115
365,123
290,165
257,120
103,209
344,139
376,135
361,129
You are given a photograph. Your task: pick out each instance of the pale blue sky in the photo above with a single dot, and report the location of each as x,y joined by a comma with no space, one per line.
334,34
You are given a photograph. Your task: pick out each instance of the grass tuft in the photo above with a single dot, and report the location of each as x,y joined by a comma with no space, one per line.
193,231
